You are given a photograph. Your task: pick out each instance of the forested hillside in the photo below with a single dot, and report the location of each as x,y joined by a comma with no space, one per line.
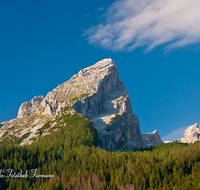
72,156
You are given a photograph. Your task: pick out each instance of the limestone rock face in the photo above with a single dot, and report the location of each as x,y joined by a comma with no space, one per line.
151,139
192,134
98,94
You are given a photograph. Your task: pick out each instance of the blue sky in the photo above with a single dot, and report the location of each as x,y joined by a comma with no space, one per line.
155,45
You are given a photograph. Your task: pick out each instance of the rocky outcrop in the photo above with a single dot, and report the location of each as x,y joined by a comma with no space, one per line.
151,139
28,108
98,94
192,134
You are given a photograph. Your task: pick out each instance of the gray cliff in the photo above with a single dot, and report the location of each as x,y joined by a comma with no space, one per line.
151,139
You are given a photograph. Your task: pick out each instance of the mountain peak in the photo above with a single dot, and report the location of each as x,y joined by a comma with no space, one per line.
97,93
192,134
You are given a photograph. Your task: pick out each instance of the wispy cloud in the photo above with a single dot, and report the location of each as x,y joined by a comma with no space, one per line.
175,135
134,23
100,9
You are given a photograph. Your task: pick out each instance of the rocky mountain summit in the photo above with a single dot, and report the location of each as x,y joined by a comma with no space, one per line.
151,139
95,92
192,134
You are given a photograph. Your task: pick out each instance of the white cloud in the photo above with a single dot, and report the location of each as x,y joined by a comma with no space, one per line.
175,135
133,23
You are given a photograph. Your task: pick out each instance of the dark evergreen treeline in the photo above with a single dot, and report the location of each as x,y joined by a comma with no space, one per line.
71,155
